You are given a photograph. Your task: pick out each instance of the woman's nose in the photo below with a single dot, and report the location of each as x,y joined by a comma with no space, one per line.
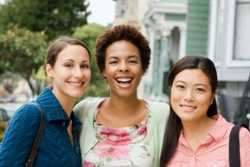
78,71
123,66
189,96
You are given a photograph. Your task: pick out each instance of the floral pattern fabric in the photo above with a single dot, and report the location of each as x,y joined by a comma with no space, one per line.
120,147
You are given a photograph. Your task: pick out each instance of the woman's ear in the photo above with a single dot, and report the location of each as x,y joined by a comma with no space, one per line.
104,75
49,70
212,100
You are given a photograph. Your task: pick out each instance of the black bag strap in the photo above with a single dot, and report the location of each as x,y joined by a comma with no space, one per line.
234,146
36,141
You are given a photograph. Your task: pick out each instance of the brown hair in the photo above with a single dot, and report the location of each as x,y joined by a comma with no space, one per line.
58,45
118,33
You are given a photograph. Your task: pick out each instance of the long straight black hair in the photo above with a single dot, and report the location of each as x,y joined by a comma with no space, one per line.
174,124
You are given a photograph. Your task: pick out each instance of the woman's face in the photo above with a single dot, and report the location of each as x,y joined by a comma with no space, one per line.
123,68
70,73
191,95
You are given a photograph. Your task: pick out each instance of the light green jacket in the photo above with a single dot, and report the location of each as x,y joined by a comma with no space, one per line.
158,112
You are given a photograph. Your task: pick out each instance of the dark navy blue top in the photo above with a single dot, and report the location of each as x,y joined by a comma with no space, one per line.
55,148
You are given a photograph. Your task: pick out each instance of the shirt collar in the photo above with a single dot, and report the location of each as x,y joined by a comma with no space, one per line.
217,132
219,129
76,123
51,106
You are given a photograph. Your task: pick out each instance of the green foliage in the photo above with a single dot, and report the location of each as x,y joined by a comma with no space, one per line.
2,66
3,125
88,34
57,17
22,51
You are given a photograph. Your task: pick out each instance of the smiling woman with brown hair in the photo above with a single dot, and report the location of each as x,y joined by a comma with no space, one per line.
67,64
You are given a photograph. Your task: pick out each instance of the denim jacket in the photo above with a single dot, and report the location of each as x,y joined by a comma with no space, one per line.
55,148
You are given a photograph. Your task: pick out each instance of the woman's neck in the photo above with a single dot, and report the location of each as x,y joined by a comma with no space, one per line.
123,106
196,132
118,112
66,103
67,106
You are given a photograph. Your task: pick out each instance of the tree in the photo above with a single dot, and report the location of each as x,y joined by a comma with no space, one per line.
57,17
88,34
22,52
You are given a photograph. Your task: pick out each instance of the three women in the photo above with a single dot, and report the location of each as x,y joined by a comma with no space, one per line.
122,130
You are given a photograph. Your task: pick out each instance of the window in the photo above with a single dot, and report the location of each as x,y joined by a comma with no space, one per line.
242,30
238,33
216,31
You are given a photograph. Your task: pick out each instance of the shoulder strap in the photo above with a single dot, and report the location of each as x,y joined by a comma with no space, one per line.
234,150
234,146
35,145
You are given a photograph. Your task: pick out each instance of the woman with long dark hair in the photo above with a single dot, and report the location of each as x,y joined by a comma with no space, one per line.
196,134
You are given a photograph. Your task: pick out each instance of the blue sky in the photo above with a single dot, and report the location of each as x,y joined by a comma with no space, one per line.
103,11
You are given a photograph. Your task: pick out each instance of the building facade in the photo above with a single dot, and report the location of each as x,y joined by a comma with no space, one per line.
229,37
165,24
228,47
218,29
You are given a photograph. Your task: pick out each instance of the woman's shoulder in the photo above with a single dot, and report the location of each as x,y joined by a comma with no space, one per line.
27,112
244,142
88,102
158,106
222,125
161,105
159,109
87,105
19,134
245,134
24,121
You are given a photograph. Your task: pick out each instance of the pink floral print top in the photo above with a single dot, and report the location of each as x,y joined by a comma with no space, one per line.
120,147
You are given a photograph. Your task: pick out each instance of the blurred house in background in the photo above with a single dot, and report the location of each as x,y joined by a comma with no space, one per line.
228,47
218,29
165,24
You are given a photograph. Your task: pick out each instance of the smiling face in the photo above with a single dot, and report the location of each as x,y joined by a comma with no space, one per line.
191,95
70,73
123,69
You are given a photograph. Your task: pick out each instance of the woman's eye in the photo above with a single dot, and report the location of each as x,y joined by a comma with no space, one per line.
133,61
68,65
85,66
180,86
200,90
112,62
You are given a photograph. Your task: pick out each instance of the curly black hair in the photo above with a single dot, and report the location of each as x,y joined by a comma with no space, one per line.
118,33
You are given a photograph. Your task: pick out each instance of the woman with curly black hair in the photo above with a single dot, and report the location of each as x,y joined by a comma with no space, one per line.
122,130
